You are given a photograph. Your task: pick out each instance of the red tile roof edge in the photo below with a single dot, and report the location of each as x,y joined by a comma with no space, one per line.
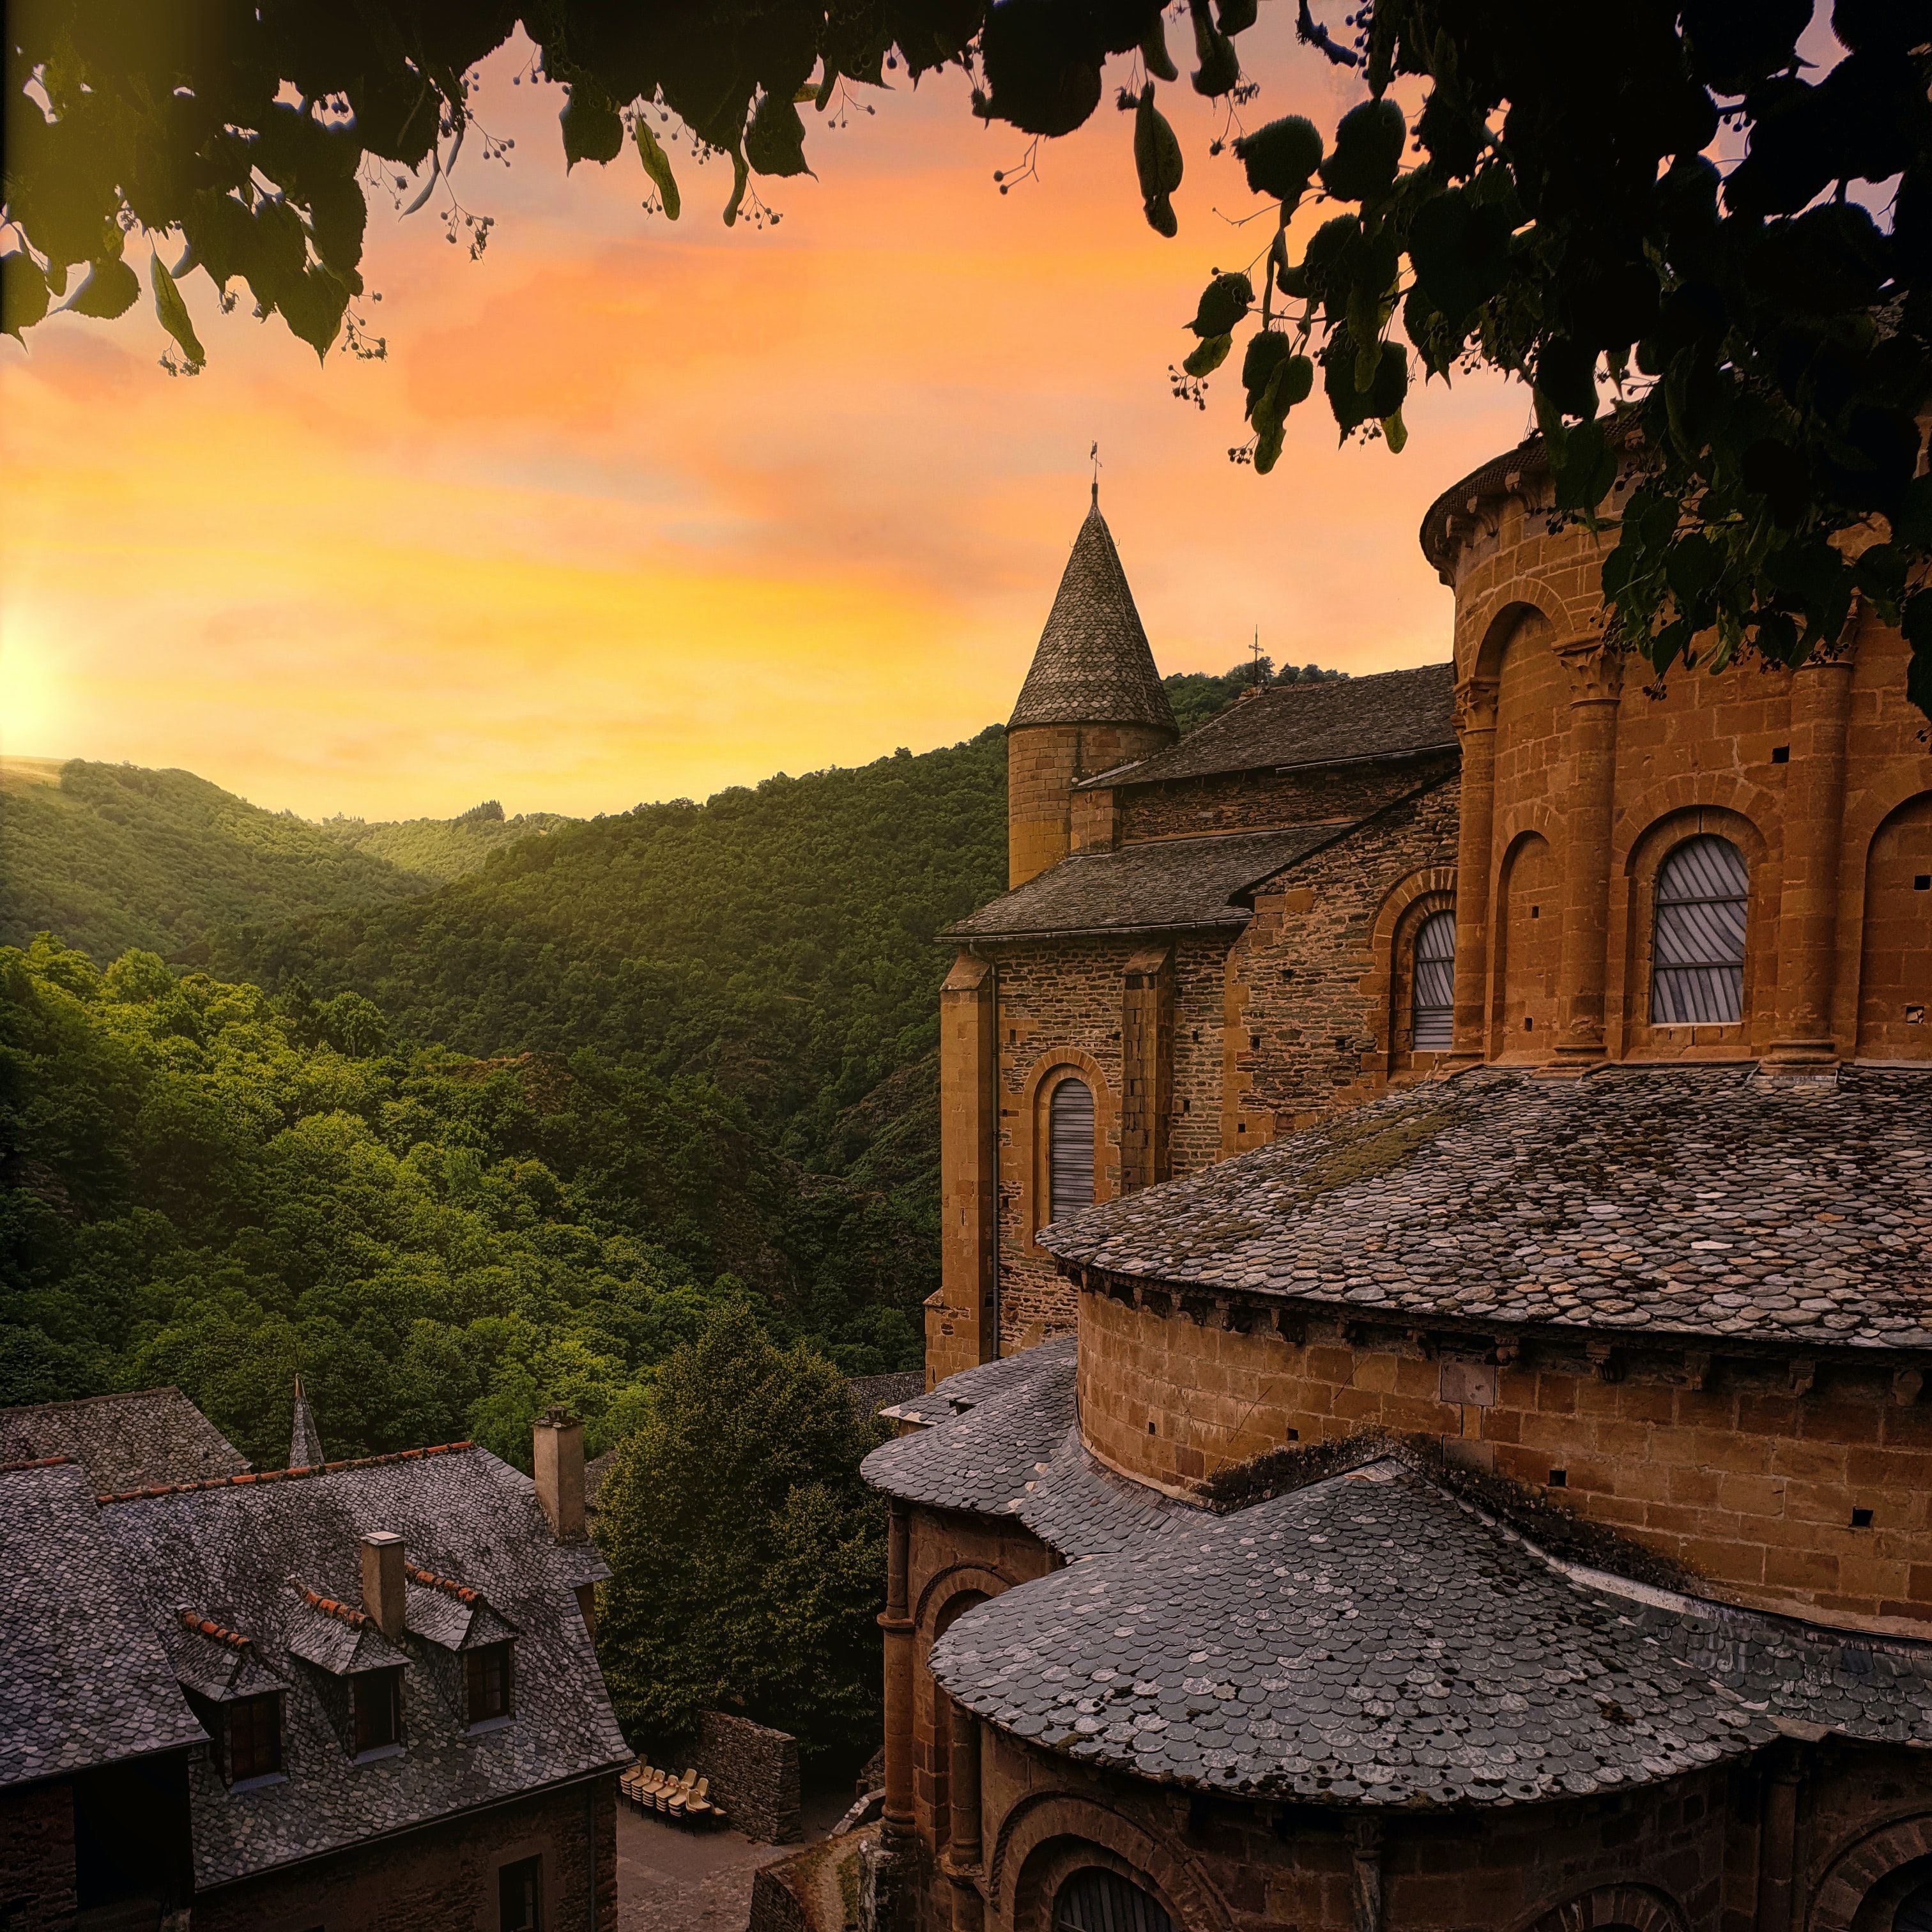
33,1462
207,1627
430,1580
345,1613
255,1477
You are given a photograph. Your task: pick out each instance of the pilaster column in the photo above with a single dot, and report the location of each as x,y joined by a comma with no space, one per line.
1777,1839
1596,680
1476,727
962,1321
964,1853
1807,907
896,1622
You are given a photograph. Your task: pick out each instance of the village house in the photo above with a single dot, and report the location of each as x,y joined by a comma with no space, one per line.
358,1693
1428,1422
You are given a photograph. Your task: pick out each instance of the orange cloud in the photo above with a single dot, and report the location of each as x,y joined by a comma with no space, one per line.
633,510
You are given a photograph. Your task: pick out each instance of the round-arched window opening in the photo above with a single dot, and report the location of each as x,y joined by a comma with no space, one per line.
1432,1016
1094,1899
1915,1909
1069,1149
1697,970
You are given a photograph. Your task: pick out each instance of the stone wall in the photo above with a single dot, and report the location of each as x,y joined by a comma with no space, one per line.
1823,778
1043,762
1680,1856
37,1853
1254,801
1311,980
753,1774
443,1878
1060,1004
1752,1474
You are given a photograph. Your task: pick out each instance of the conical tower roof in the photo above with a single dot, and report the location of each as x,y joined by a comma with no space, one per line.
1093,665
305,1439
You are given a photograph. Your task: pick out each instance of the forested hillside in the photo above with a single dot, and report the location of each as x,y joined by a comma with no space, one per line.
778,941
202,1185
114,856
442,849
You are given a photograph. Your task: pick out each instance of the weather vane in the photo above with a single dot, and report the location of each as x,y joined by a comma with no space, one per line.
1093,457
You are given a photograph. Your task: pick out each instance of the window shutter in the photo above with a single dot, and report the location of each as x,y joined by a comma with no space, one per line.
1094,1900
1070,1149
1703,894
1434,1017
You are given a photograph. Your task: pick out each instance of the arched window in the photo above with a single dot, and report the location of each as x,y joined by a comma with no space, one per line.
1433,1010
1697,974
1069,1149
1095,1900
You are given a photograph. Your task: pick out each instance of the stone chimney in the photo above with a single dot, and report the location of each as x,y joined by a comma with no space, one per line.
383,1582
557,1457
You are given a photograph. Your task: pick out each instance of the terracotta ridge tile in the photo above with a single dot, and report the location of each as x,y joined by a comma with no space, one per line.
347,1613
257,1476
449,1586
34,1463
206,1627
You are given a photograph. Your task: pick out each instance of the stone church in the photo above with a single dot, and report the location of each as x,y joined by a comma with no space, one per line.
1427,1422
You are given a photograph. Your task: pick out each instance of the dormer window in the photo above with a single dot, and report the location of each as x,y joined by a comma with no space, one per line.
1703,895
486,1682
376,1700
254,1738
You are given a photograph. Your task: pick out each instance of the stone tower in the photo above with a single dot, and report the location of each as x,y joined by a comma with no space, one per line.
1092,700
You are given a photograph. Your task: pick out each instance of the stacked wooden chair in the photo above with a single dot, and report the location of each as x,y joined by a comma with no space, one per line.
684,1800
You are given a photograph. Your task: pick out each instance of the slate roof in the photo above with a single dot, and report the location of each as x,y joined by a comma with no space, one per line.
1366,1640
1163,885
1683,1201
970,1387
124,1442
1393,714
261,1557
1093,664
1001,1440
305,1451
86,1679
874,1392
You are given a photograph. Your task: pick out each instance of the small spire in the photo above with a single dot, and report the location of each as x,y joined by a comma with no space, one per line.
1093,455
305,1440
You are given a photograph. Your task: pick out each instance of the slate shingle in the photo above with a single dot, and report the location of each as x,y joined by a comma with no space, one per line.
1093,664
1393,714
244,1555
123,1442
1706,1202
1164,884
84,1678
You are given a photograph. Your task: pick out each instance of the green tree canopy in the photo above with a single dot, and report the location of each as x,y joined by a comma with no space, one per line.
1668,205
207,1187
747,1557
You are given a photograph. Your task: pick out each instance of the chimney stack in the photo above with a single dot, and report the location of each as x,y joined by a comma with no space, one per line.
557,1457
383,1582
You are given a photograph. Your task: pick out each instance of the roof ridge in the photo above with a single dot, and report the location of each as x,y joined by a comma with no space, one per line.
331,1607
94,1401
430,1580
207,1627
253,1477
35,1463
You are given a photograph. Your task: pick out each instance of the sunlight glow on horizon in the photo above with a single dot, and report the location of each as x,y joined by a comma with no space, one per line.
635,511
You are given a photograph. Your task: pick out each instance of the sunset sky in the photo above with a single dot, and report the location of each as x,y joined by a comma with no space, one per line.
634,510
